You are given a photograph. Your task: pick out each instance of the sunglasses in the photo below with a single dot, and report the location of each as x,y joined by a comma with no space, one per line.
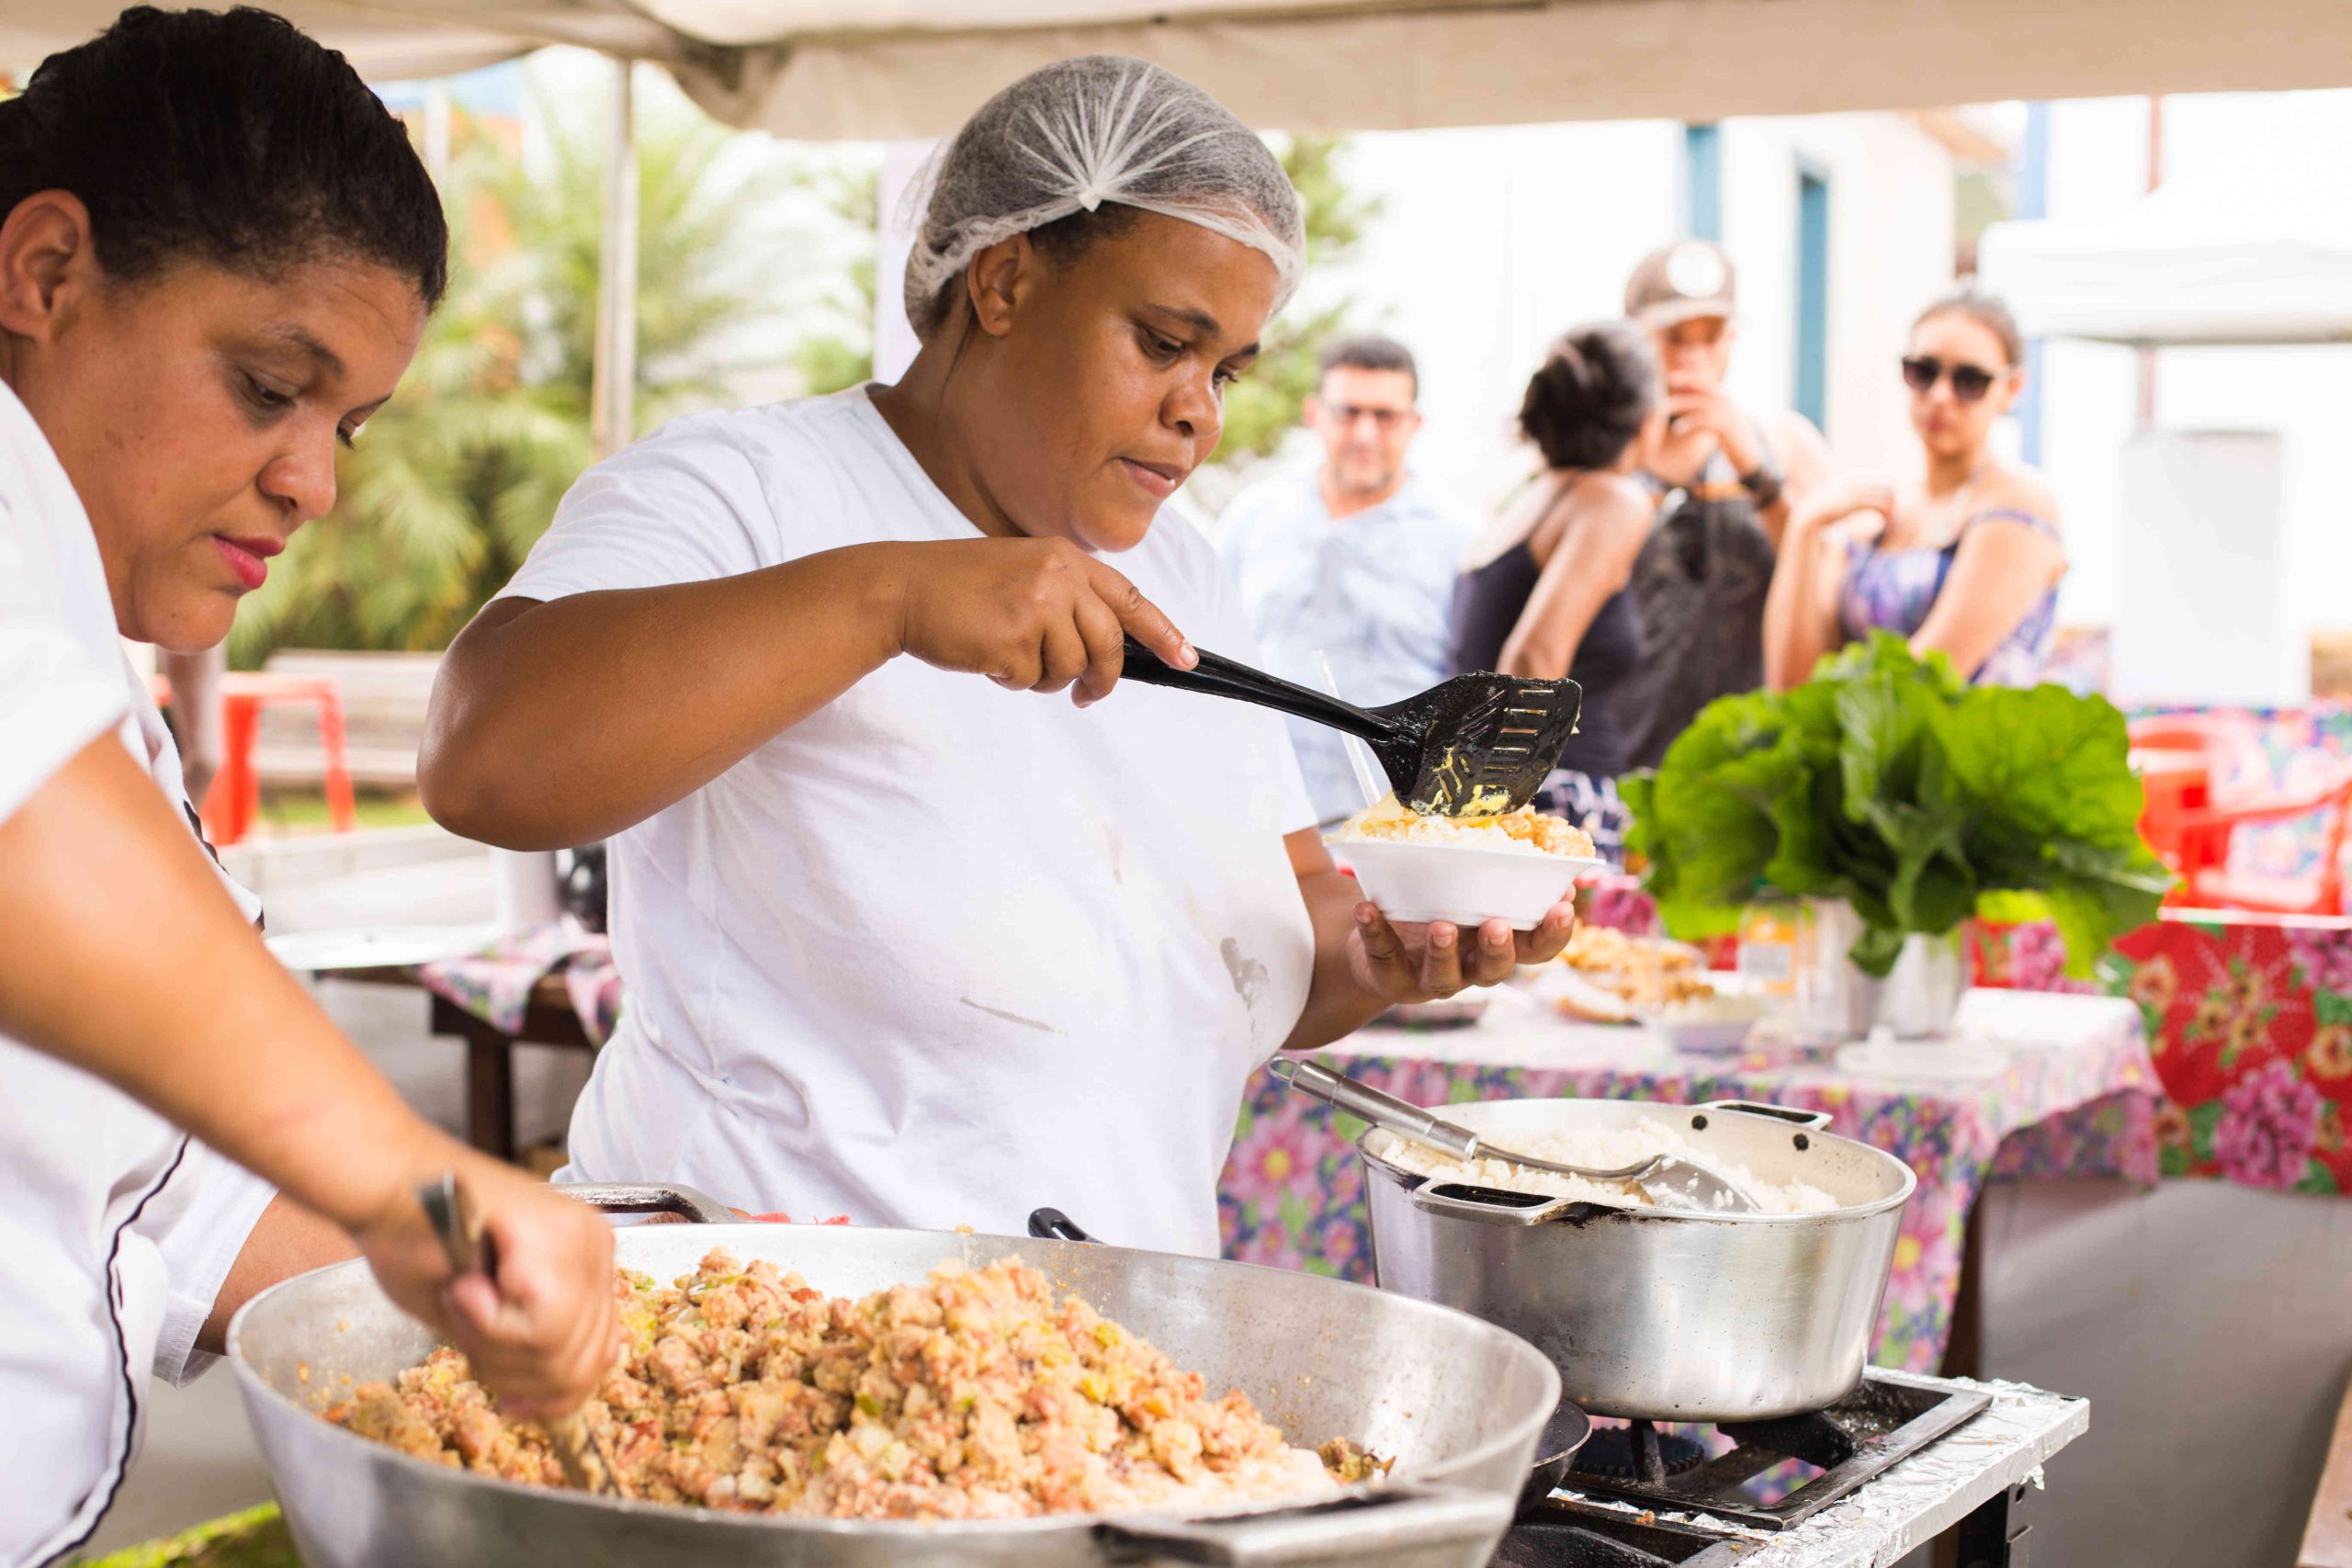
1345,416
1969,382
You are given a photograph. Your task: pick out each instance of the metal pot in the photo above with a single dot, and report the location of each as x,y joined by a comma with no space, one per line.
1459,1403
1649,1312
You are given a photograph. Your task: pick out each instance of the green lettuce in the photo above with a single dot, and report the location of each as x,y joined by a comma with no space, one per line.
1889,782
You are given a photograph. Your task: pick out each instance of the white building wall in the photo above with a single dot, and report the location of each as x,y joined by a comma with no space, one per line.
2099,166
1891,225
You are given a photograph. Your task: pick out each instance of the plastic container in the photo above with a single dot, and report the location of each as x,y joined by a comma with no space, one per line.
1418,882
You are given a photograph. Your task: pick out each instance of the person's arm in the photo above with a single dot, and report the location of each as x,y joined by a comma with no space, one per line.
1364,965
288,1240
560,722
1801,608
1804,458
2001,570
122,954
1592,558
196,710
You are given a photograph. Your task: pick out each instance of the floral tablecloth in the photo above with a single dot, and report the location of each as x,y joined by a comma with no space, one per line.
495,984
2077,1078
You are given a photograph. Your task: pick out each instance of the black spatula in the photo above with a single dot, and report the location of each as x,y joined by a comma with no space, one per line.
1472,745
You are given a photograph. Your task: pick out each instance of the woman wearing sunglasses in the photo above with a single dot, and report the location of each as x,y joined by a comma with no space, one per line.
1965,559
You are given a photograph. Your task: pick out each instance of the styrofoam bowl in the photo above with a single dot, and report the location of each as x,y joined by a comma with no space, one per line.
1418,882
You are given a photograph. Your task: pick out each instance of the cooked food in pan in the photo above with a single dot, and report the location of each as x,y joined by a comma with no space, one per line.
979,1394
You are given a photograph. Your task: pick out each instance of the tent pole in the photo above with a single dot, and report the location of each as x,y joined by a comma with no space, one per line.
2147,405
612,386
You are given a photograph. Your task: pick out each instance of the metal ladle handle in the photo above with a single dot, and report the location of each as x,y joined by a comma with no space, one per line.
1383,1110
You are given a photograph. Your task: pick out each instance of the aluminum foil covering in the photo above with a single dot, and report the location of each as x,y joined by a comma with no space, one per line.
1923,1495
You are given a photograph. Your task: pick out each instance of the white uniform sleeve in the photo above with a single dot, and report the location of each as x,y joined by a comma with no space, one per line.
53,700
199,1223
684,505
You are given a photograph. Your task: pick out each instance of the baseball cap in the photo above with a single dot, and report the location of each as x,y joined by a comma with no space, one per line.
1680,282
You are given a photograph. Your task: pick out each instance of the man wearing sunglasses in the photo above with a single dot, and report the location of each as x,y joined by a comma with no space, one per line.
1726,477
1355,557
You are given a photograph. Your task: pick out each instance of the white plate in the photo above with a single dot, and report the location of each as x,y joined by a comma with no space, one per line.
1418,882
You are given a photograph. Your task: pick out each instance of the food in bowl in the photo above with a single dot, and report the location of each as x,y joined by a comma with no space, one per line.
1524,831
1607,977
1603,1148
1514,866
976,1396
1607,950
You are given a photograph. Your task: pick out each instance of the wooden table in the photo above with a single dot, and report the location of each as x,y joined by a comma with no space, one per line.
490,1050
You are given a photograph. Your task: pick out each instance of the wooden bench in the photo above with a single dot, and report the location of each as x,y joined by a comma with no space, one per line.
384,699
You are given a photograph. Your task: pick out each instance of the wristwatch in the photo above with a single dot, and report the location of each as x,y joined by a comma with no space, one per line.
1762,484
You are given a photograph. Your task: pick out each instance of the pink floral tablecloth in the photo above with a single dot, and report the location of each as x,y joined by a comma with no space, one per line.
2076,1094
495,984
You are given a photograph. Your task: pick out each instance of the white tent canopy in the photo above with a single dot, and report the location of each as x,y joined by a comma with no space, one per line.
887,69
2256,251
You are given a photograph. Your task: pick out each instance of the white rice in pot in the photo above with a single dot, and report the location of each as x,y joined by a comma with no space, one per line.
1606,1148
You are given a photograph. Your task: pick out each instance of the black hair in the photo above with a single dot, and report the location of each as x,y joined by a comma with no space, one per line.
1367,352
229,138
1587,402
1986,309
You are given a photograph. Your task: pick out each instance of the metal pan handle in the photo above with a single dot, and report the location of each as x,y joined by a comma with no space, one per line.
1318,1082
1804,1121
1488,1205
1421,1523
652,1198
1052,1224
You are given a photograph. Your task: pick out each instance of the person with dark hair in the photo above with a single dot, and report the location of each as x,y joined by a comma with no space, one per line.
1352,557
1726,477
1964,559
1547,592
217,251
899,943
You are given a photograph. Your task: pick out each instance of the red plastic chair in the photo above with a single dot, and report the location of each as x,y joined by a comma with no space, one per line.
230,808
2217,887
2188,764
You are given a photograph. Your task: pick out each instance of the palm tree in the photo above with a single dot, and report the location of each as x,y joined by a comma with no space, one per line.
447,488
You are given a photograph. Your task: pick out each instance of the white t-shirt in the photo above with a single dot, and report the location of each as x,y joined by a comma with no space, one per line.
115,1230
941,953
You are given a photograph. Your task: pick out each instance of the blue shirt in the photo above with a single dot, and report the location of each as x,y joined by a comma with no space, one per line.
1372,591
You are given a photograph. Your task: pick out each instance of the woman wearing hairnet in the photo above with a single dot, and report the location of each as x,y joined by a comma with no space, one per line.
900,943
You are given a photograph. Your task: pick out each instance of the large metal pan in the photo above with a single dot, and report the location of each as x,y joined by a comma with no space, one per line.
1648,1313
1458,1403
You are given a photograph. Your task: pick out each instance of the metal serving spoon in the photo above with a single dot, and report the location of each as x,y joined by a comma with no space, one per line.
1667,1181
472,1250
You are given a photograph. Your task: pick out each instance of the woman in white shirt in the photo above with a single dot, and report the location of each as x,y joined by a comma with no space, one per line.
217,251
899,943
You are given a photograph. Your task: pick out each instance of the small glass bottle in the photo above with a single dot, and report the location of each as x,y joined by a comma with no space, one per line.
1771,930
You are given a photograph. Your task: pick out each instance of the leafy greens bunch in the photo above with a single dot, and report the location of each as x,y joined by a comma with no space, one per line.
1887,781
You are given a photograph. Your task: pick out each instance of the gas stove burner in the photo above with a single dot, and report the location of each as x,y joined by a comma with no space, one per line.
1838,1448
1639,1452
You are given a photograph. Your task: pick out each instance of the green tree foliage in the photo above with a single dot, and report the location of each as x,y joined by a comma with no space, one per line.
1264,405
450,485
842,355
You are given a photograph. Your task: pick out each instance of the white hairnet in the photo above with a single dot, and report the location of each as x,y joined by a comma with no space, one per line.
1098,129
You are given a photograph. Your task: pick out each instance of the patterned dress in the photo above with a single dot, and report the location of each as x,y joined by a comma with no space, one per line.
1893,591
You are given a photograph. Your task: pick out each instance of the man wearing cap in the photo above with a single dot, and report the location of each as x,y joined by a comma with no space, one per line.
1726,477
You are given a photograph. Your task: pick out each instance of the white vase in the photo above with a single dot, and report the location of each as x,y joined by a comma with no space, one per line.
1836,1003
